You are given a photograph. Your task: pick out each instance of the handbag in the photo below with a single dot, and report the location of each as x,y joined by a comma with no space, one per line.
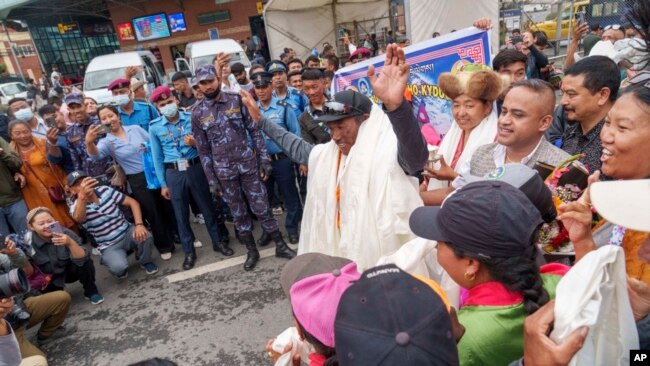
118,178
56,193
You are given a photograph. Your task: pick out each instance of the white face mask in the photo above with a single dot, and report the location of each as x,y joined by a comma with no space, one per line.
24,114
169,110
122,99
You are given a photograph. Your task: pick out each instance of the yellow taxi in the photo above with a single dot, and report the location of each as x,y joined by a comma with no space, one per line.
549,27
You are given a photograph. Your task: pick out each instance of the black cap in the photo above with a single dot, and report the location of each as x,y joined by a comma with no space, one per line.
237,67
75,176
490,219
261,78
526,180
389,317
348,103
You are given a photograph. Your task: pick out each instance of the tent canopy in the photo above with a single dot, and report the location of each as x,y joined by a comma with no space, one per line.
307,24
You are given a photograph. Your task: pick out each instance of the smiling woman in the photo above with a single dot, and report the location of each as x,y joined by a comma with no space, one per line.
475,124
625,137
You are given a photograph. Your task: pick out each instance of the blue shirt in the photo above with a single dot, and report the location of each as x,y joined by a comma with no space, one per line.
65,160
127,153
280,113
142,115
296,99
104,220
167,143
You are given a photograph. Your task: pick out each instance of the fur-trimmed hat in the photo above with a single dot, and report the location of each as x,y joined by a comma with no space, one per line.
483,85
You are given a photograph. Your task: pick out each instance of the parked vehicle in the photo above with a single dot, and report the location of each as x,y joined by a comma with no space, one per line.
102,70
567,16
12,90
203,52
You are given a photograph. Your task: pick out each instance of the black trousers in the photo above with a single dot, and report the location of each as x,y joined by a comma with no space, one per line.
156,210
73,273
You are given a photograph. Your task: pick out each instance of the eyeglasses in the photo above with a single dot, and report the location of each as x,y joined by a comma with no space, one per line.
613,26
334,108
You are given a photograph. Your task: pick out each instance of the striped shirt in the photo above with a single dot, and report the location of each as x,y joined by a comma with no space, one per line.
104,221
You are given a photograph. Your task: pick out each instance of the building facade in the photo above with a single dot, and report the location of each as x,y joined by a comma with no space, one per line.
166,27
25,52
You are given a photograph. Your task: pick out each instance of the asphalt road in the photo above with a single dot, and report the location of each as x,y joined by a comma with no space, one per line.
215,314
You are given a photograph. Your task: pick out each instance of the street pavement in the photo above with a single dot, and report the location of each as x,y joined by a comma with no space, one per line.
215,314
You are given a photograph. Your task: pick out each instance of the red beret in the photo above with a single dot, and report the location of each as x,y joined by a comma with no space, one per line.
161,92
119,83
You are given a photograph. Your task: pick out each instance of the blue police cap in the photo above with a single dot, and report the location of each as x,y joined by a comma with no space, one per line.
205,72
276,66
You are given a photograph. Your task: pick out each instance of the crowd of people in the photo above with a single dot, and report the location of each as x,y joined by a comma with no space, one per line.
410,253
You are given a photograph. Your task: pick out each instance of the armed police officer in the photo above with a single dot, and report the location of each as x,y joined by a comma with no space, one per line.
220,125
282,173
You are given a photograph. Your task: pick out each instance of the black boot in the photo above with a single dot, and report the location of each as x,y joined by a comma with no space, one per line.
253,255
190,258
282,250
222,248
224,234
265,239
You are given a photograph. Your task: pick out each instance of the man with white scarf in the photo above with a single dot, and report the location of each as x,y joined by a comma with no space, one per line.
361,189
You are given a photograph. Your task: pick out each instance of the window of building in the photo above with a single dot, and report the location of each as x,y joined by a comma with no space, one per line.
68,51
25,50
214,17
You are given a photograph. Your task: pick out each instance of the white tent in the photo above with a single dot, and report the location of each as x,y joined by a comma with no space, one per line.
305,24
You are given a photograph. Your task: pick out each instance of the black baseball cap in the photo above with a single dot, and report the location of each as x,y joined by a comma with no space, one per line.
490,219
348,103
389,317
261,78
75,176
526,180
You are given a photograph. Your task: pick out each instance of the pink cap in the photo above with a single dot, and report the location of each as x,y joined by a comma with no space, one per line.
315,299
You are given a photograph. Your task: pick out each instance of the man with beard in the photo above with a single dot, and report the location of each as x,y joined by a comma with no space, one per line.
239,71
221,126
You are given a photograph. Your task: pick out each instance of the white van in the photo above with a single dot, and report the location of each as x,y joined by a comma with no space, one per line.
102,70
203,52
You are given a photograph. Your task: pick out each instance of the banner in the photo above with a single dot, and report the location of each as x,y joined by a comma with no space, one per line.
449,53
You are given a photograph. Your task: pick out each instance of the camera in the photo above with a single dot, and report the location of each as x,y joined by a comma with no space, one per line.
13,284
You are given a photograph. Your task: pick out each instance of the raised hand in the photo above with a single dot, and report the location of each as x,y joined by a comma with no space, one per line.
251,105
390,85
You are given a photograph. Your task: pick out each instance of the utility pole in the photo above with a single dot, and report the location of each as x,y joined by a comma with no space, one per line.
13,52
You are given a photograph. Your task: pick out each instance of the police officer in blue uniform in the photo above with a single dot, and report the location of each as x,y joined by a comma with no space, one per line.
131,112
281,89
283,173
179,171
221,126
76,136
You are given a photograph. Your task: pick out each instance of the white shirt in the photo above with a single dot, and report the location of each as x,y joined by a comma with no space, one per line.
499,156
41,129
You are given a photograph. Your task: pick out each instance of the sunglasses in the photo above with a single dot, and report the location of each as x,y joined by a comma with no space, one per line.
613,26
334,108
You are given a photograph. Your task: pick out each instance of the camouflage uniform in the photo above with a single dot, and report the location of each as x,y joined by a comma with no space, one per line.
76,136
220,128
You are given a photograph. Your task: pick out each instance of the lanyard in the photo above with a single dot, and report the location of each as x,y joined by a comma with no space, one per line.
176,140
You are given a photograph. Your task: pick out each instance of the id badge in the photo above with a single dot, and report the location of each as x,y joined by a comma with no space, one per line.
182,165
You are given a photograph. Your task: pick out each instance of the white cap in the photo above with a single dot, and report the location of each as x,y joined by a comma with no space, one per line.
624,202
